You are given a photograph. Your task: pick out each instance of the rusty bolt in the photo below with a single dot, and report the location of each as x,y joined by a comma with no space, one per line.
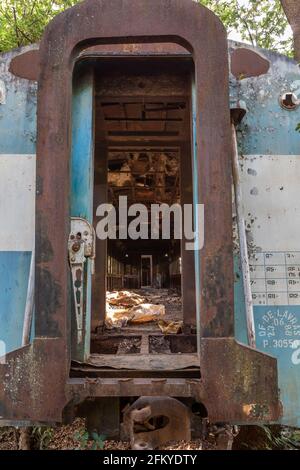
76,247
289,101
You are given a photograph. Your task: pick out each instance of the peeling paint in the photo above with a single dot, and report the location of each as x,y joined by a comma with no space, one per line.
2,92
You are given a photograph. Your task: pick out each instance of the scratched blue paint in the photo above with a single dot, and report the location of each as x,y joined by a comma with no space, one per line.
266,129
82,149
14,271
269,129
82,174
195,202
18,112
240,323
276,331
17,136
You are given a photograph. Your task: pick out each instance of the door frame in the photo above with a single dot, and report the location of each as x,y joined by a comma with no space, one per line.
151,270
203,35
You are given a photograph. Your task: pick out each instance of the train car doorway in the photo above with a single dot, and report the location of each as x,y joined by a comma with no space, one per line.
143,289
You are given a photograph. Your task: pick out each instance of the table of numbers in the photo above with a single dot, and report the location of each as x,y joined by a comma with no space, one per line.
275,278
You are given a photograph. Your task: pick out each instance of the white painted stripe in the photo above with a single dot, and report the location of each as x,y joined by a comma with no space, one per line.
17,202
271,197
270,185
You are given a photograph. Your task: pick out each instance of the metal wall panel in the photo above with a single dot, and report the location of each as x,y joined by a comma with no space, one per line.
270,175
17,195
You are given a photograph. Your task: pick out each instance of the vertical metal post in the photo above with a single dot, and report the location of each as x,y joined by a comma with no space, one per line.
242,241
29,303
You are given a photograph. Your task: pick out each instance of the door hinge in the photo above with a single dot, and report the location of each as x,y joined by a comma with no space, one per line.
81,246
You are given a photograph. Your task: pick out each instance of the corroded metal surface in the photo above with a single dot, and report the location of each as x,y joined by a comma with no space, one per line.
31,390
185,23
26,65
246,63
152,421
238,384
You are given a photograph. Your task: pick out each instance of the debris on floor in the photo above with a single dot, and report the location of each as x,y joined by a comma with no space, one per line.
170,327
144,313
129,346
124,298
145,306
159,345
116,317
123,307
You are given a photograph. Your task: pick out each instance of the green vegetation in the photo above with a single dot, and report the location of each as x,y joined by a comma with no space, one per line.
262,23
23,21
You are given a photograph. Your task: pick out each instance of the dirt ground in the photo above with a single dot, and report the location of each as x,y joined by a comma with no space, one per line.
74,437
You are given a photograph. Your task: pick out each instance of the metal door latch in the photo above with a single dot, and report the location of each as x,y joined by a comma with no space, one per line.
81,246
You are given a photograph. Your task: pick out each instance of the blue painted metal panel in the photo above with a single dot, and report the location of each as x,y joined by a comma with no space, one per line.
14,271
276,330
82,175
239,303
195,202
268,129
17,136
18,110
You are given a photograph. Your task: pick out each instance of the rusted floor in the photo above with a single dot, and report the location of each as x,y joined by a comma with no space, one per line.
143,347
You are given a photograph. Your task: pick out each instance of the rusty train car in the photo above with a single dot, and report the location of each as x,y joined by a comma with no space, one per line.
119,88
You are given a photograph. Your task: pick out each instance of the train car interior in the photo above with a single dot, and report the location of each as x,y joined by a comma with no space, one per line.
143,290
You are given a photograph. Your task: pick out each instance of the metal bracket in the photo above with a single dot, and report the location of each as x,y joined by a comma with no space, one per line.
152,421
224,436
81,246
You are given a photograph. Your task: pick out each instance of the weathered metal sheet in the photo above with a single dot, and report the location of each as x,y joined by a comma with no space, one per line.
250,382
248,63
82,183
270,184
14,271
17,203
53,141
17,108
17,213
17,182
26,65
244,388
195,27
270,171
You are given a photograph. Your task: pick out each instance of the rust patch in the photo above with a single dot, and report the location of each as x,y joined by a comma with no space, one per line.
35,378
256,410
26,65
46,323
153,421
136,49
240,383
217,296
30,389
45,254
246,63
